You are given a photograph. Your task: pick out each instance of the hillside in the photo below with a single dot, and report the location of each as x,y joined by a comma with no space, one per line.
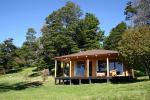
15,87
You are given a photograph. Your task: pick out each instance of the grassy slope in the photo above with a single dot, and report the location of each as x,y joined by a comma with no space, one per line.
49,91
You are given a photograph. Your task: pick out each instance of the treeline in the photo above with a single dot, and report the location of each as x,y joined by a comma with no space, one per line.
68,30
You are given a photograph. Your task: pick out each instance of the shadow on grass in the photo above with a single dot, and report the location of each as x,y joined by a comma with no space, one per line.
35,74
5,87
10,71
127,81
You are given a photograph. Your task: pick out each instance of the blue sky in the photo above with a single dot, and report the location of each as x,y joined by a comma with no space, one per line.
16,16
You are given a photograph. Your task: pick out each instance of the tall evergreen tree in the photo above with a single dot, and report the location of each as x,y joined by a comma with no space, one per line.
88,34
111,42
7,50
30,46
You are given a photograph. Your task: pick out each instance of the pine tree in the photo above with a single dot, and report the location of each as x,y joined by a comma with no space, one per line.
111,42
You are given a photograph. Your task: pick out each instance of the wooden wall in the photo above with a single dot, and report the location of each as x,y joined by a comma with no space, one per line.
126,71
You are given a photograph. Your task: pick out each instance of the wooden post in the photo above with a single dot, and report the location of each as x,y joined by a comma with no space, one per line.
89,80
96,67
70,68
107,60
70,72
133,73
80,81
70,81
87,67
62,66
55,68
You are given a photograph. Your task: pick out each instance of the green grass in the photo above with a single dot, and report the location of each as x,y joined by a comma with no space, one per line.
14,87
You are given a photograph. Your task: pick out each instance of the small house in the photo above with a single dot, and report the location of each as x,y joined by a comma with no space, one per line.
91,65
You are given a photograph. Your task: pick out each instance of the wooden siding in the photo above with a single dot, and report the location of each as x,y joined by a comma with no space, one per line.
93,68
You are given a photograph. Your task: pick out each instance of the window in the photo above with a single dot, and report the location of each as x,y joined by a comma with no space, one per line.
101,66
117,66
80,68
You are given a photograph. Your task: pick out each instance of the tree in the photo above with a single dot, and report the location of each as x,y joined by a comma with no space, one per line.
111,42
88,34
57,33
7,52
29,47
138,11
30,36
65,32
135,47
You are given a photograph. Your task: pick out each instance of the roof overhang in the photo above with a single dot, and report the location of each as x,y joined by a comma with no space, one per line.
90,54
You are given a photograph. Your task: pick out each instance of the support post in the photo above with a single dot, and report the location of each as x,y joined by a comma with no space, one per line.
133,73
62,66
70,72
59,81
80,81
107,60
70,69
87,67
89,80
55,68
70,81
96,67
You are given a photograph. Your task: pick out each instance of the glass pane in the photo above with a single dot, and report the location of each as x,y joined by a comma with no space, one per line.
79,69
119,68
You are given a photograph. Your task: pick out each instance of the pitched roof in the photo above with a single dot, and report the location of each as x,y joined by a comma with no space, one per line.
89,53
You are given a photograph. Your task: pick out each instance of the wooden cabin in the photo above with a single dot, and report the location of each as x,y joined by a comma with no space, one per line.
90,65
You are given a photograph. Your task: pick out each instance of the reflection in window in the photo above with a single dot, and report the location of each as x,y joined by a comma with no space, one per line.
102,66
80,68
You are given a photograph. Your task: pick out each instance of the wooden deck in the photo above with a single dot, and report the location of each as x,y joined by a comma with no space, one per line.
79,80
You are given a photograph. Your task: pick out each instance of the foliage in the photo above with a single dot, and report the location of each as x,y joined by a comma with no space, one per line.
88,34
29,47
135,47
111,42
138,11
65,33
130,11
30,36
7,54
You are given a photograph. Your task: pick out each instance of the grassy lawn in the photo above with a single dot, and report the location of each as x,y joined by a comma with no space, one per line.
14,87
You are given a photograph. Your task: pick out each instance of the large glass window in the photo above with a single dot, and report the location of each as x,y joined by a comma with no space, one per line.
80,68
116,66
119,68
102,67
